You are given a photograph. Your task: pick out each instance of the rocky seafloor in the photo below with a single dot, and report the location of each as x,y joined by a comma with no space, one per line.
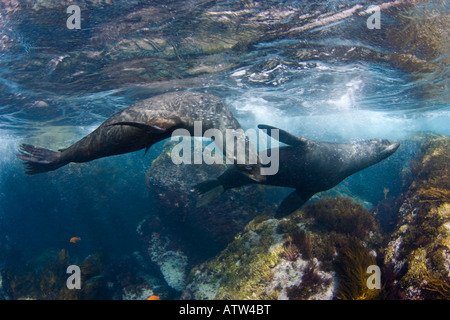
322,251
233,248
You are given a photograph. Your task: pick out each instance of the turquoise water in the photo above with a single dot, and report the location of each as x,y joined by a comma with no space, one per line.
312,68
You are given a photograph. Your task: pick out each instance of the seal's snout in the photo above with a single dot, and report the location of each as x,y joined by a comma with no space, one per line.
253,172
391,148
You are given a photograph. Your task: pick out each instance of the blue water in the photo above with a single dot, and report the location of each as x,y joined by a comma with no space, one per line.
335,82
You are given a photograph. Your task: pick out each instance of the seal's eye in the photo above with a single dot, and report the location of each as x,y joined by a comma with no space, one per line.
248,167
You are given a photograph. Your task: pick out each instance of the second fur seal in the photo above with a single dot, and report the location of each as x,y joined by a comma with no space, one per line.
307,166
143,124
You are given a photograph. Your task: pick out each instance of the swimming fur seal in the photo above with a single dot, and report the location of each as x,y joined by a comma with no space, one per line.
307,166
140,126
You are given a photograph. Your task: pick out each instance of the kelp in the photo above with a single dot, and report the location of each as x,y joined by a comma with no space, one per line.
351,268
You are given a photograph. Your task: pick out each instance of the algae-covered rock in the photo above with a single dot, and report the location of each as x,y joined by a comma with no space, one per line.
290,258
418,248
201,230
173,264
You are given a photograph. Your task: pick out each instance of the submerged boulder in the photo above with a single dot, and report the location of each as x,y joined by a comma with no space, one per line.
180,233
297,257
202,231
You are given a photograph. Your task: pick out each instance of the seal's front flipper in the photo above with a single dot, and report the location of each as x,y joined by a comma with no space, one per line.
143,126
38,160
208,191
284,136
291,203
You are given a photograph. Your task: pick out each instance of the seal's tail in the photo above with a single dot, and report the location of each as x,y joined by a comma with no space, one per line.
38,160
208,190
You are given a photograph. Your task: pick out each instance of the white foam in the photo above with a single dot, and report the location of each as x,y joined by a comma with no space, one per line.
339,120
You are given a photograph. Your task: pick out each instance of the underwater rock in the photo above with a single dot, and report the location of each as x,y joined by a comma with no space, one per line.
202,231
179,234
131,279
290,258
172,264
418,251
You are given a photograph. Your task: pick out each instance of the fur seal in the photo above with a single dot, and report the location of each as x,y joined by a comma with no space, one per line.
140,126
307,166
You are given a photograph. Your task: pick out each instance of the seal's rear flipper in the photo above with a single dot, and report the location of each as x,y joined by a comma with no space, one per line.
291,203
208,190
38,160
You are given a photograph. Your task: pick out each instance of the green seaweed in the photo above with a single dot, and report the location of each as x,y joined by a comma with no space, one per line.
244,267
429,194
341,215
422,235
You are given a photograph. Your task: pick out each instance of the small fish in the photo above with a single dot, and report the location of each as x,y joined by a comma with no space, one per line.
385,190
75,239
153,298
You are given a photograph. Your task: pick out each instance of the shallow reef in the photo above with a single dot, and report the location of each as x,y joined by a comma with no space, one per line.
233,248
323,251
290,258
418,251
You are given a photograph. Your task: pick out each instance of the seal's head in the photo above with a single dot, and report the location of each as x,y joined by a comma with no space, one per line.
367,153
382,148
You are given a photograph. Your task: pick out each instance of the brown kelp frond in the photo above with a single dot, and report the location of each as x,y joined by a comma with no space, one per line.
351,267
